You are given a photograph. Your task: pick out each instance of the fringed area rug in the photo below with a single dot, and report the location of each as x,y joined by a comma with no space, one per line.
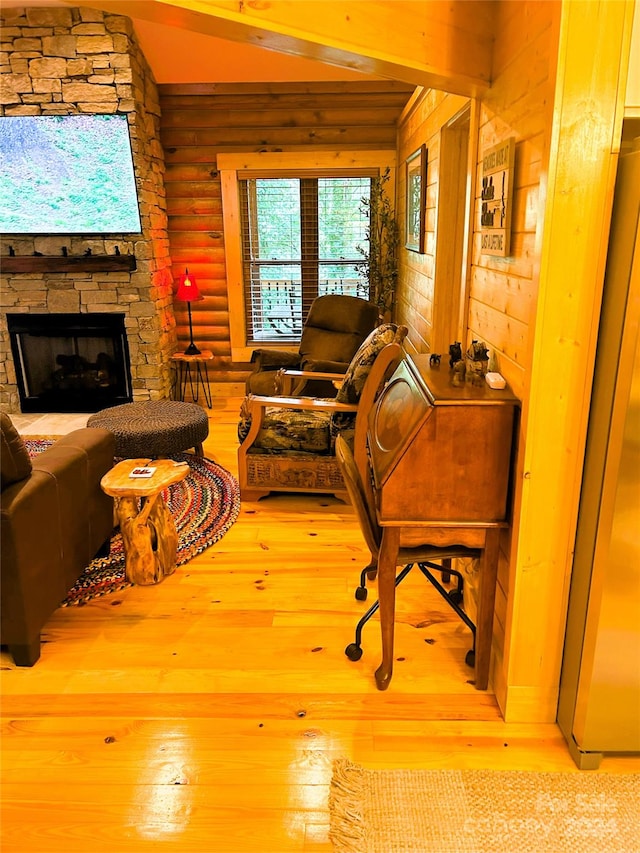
203,506
482,811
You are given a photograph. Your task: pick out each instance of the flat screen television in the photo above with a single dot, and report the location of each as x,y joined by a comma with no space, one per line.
70,174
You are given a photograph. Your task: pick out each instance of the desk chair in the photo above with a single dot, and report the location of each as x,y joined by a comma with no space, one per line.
422,556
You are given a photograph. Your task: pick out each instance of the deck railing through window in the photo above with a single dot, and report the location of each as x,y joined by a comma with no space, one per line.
277,305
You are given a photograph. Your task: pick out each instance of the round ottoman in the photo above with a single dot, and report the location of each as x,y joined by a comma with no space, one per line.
154,428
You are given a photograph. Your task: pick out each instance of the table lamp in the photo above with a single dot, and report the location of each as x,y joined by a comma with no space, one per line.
188,292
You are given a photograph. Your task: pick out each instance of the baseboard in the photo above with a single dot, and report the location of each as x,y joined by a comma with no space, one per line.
527,704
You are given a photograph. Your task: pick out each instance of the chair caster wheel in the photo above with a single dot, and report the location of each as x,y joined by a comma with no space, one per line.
470,658
455,596
361,593
353,652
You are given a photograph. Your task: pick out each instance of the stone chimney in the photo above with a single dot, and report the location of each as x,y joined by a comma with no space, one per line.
65,61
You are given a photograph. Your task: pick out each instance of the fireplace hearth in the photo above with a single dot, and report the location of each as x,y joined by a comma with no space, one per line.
70,362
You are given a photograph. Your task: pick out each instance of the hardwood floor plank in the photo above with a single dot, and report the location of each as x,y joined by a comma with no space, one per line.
203,714
165,818
384,707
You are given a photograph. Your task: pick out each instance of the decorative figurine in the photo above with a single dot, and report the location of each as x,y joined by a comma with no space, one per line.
434,359
455,353
477,362
458,372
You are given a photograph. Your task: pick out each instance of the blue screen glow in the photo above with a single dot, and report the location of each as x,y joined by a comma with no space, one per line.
67,175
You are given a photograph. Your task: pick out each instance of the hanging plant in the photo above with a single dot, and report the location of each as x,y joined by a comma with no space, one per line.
380,265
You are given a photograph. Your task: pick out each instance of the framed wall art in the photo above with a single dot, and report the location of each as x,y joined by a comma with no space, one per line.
415,201
497,199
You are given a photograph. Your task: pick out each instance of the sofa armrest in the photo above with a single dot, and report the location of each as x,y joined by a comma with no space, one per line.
32,556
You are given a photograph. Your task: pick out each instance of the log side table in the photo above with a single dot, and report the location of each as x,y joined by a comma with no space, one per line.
148,531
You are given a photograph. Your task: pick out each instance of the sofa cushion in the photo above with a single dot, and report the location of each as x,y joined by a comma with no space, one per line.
290,431
294,431
15,464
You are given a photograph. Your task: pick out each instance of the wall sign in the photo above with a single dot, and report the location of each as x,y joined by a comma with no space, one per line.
497,198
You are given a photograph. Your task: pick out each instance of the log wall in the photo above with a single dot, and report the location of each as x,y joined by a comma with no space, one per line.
200,122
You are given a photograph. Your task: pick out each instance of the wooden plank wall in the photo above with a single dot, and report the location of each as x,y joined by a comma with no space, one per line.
199,122
415,297
502,298
501,291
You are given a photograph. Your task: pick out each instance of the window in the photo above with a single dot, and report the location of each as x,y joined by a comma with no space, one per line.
239,166
300,239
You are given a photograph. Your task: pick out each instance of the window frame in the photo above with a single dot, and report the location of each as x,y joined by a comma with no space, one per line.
233,167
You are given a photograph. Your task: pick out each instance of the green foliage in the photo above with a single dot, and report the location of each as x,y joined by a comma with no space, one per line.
67,174
380,265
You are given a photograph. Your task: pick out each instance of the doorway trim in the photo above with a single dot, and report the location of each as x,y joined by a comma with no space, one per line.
454,225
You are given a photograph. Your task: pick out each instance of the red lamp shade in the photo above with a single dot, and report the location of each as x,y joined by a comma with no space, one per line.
188,292
187,288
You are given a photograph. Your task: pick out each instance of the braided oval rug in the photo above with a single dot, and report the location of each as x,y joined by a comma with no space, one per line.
204,506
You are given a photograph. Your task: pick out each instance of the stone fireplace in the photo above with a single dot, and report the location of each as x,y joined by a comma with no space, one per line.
72,61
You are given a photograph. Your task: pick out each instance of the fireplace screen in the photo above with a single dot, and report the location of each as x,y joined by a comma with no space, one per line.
70,362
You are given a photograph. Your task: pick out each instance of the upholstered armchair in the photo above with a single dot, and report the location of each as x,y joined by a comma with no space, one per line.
335,327
287,444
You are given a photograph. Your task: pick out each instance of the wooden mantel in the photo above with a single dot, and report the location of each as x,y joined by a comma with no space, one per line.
82,263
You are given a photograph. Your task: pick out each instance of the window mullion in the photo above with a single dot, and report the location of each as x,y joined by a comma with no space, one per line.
254,315
309,241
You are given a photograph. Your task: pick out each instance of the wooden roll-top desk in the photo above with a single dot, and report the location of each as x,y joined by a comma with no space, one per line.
440,457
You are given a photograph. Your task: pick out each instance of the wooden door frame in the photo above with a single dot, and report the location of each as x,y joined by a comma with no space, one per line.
454,226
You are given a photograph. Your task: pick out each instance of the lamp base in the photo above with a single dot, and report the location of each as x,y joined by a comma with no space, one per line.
192,349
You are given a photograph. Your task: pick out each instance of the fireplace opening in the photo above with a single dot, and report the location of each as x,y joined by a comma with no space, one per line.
70,362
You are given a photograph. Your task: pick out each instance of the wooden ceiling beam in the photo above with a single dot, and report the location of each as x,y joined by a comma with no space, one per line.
429,43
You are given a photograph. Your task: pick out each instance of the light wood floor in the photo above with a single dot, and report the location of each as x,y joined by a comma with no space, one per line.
203,714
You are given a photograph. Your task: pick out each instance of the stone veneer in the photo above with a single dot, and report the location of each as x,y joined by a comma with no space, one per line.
70,61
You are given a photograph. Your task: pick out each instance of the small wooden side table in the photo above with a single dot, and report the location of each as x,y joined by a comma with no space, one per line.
148,531
193,369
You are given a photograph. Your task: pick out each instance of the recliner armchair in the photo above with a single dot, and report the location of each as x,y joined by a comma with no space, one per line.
335,327
54,519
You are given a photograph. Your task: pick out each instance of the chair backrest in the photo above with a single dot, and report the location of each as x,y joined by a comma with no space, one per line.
365,512
354,464
335,327
360,493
